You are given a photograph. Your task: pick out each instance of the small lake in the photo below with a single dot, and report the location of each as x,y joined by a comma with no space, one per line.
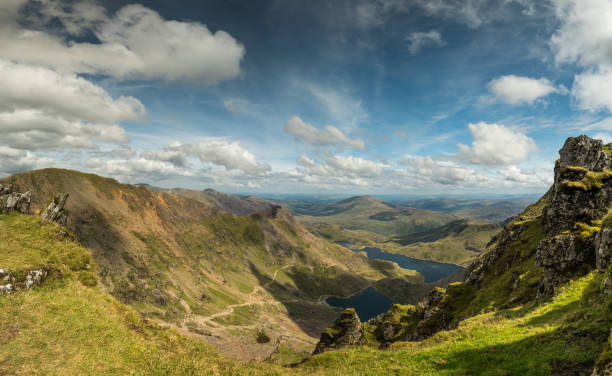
431,270
368,304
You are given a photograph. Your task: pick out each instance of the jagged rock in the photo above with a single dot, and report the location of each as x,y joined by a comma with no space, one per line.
561,256
570,200
6,281
603,249
585,152
14,201
55,210
347,330
35,278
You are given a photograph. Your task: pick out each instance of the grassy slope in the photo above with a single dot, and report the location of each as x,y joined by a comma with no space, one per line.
65,327
179,261
562,336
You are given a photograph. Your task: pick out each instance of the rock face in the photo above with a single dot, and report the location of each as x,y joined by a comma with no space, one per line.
577,204
603,249
55,210
347,330
561,256
11,201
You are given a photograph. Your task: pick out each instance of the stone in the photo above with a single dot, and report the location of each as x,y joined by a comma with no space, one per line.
35,278
347,330
603,249
15,202
55,210
603,367
585,152
561,256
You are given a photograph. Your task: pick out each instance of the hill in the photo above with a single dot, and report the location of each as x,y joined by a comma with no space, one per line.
367,213
207,273
237,205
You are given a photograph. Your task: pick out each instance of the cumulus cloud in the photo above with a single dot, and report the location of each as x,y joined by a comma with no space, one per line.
44,109
425,170
230,155
328,136
137,168
517,90
533,177
496,144
584,37
592,90
135,43
14,160
419,40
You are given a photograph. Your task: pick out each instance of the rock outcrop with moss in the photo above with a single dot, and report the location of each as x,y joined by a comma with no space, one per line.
55,210
12,201
604,364
346,331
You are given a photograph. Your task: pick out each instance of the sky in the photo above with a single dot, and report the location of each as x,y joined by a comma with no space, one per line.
415,97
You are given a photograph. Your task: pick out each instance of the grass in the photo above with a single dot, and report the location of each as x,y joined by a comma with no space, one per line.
591,181
567,333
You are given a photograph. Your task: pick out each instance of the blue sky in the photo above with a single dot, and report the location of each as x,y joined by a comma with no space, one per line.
383,96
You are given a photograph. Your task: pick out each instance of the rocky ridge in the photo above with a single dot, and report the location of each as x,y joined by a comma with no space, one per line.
566,234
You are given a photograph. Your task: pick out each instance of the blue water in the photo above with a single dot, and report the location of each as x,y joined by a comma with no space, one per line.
368,303
431,270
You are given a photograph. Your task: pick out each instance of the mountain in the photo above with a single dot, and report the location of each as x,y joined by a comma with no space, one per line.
187,264
537,301
237,205
367,213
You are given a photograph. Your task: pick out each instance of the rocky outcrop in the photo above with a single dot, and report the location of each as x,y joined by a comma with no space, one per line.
578,202
11,201
55,210
9,283
603,249
581,191
561,256
347,330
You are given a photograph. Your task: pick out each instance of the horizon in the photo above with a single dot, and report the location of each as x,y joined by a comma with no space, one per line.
383,98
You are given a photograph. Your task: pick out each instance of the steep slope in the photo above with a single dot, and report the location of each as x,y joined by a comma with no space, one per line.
371,214
237,205
208,273
558,248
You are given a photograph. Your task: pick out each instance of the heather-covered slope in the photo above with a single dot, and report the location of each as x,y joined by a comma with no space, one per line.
211,274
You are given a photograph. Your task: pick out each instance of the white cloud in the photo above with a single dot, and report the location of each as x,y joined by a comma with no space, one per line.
232,155
534,177
43,109
584,37
419,40
346,111
328,136
136,43
354,166
141,167
14,160
585,32
424,170
305,161
496,144
517,90
592,90
605,137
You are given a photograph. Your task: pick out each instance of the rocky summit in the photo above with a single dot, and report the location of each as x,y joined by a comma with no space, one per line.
346,331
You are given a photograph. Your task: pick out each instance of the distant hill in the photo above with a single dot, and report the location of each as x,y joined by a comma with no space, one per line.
374,215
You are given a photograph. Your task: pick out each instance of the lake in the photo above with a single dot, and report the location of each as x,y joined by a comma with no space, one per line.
431,270
368,304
